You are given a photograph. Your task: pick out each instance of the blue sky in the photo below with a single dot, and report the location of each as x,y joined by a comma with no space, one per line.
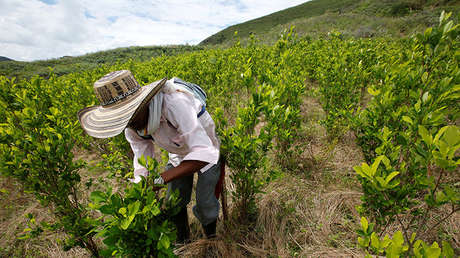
50,2
43,29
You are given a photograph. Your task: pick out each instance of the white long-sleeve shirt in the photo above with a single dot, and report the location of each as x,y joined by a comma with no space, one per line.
181,133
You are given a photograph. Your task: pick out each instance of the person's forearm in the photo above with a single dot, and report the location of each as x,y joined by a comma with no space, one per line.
185,168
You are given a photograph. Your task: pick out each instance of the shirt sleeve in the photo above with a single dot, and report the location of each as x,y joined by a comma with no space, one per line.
182,113
140,147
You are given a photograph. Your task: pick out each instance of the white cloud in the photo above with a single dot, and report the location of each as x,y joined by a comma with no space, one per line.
31,29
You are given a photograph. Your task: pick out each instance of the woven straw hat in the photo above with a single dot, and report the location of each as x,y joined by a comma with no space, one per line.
121,97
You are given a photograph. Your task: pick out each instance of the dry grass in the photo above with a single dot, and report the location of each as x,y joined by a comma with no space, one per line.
209,248
15,205
299,218
452,228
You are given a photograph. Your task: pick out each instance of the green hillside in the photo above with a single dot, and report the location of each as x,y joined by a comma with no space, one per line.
358,18
68,64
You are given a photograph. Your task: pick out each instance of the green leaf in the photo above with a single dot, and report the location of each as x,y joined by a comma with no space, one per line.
448,27
433,251
398,238
163,242
428,32
375,241
447,250
440,133
444,17
151,164
116,202
417,106
359,171
26,236
3,190
97,196
364,224
391,176
363,242
122,211
393,251
426,136
381,181
386,241
452,135
373,92
142,161
106,209
155,211
407,119
451,194
133,208
386,161
386,132
426,97
376,164
417,247
129,175
126,222
441,197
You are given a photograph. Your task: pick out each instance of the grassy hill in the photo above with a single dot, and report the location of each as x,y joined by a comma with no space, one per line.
68,64
358,18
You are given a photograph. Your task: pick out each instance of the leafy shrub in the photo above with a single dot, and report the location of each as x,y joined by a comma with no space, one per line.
398,246
245,151
136,224
36,143
409,123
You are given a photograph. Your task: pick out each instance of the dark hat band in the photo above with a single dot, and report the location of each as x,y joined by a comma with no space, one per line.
121,96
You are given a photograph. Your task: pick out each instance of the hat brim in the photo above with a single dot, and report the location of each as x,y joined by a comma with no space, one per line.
111,120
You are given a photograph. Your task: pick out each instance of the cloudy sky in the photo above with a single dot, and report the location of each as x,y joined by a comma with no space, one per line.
43,29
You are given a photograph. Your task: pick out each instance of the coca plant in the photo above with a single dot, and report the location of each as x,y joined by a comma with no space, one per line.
412,116
245,150
397,246
135,223
36,143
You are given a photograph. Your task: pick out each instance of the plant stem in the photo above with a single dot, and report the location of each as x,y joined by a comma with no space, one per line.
384,229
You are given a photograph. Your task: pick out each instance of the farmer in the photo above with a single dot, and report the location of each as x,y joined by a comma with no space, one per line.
172,114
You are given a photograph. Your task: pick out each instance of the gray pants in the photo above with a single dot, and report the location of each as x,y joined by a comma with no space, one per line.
206,209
